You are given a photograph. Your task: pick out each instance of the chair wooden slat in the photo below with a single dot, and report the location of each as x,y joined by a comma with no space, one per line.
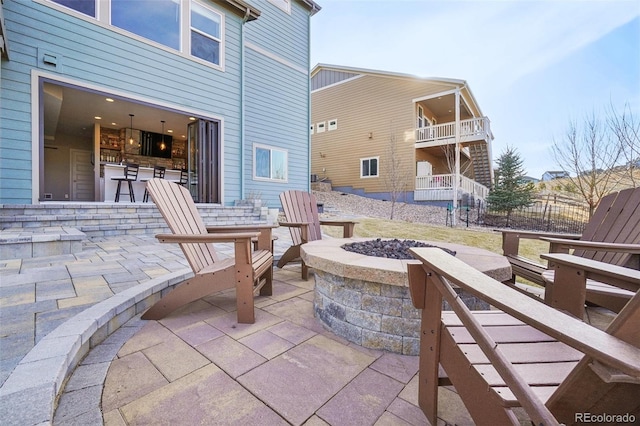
248,272
302,218
522,372
616,220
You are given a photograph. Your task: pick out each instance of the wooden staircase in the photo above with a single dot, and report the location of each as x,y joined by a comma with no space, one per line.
481,161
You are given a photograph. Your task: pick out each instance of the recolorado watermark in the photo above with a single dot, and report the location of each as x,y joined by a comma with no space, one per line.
604,418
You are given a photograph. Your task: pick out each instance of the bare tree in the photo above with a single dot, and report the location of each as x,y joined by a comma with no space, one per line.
589,153
449,152
396,176
626,127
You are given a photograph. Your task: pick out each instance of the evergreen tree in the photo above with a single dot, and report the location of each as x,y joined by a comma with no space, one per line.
510,191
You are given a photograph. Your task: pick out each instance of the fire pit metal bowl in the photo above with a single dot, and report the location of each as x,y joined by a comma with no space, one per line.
366,300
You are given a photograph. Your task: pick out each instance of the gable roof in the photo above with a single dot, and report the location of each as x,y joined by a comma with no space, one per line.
352,72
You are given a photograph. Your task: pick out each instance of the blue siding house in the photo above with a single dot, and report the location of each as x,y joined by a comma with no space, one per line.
217,87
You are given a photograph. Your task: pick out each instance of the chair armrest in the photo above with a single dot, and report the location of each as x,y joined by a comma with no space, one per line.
559,325
262,242
511,239
241,228
615,275
294,224
207,238
347,225
558,244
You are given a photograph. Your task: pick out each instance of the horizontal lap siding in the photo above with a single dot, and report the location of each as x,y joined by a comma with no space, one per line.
277,95
95,55
377,105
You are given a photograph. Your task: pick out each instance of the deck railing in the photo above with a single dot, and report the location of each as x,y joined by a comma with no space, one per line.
471,129
440,188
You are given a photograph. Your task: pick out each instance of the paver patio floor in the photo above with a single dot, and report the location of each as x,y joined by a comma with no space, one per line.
199,366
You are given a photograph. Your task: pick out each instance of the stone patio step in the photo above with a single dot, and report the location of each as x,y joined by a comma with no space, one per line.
25,243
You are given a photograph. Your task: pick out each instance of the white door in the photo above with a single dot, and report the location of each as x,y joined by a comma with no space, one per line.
82,178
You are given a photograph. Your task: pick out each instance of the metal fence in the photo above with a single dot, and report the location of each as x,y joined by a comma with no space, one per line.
544,215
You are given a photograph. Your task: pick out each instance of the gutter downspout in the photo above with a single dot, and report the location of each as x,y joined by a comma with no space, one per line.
242,139
309,100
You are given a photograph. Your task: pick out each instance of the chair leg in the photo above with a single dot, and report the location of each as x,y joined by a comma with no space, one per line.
132,196
117,199
267,288
145,198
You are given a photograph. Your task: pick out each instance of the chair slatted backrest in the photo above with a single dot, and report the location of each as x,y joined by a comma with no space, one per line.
131,171
616,220
182,217
159,172
300,206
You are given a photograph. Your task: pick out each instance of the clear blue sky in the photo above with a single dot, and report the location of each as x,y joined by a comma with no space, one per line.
532,65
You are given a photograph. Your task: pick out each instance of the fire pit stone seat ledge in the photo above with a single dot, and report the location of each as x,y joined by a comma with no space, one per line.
365,299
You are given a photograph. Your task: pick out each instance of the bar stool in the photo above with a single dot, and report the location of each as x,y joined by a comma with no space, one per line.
158,173
130,175
184,178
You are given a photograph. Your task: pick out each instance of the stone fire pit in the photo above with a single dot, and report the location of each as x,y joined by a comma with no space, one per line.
366,299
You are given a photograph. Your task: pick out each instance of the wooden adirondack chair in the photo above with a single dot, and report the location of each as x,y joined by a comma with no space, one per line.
301,211
249,271
526,354
612,236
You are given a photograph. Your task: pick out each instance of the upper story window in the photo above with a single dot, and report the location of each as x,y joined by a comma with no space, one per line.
190,27
282,4
205,33
157,20
88,7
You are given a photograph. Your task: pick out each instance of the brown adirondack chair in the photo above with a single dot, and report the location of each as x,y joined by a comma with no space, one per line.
526,354
612,236
301,213
250,271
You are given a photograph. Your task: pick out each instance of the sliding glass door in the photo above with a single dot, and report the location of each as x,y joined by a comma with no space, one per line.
204,162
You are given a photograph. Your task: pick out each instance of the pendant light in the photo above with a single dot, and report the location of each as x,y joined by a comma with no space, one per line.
131,130
162,145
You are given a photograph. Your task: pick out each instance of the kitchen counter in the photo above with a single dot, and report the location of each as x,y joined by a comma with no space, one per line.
114,170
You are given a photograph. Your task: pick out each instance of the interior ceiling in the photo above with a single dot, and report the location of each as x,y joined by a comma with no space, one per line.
72,111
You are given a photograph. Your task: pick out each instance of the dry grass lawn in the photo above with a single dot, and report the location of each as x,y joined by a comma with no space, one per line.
476,237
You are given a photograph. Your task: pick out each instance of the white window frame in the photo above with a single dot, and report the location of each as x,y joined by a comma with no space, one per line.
187,37
332,124
284,5
362,160
103,19
321,127
270,148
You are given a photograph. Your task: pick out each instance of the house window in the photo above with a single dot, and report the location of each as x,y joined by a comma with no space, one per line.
320,128
369,167
190,27
420,117
205,33
282,4
269,163
88,7
333,124
157,20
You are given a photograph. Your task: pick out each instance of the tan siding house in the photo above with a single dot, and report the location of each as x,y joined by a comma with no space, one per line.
372,129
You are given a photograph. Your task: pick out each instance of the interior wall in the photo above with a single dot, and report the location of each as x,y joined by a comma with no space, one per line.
57,167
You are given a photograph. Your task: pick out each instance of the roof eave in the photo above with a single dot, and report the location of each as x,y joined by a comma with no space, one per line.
249,12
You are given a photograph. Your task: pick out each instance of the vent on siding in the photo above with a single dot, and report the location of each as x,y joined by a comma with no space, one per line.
333,124
320,127
48,196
